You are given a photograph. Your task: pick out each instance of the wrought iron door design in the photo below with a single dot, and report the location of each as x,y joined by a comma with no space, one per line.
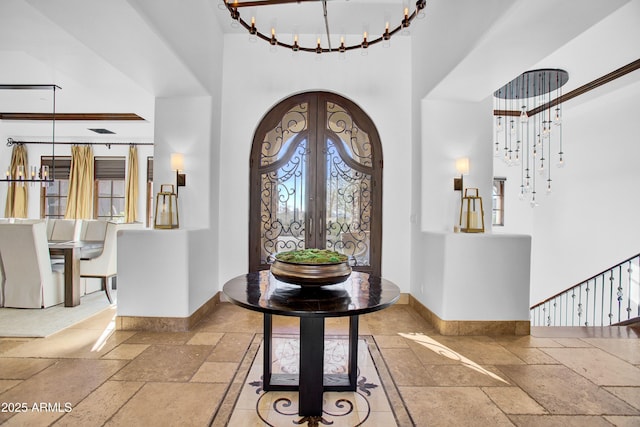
316,171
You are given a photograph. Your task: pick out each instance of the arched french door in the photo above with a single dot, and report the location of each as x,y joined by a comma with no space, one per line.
316,181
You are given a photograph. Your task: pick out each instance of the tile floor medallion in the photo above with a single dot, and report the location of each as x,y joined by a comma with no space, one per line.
367,406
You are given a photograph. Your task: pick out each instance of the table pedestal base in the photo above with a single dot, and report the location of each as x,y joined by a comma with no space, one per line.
311,382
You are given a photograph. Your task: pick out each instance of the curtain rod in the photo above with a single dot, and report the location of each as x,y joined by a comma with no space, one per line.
11,141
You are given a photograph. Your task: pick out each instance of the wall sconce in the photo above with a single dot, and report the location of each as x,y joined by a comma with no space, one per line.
177,164
462,167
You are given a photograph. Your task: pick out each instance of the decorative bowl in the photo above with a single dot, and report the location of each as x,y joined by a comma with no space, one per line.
311,267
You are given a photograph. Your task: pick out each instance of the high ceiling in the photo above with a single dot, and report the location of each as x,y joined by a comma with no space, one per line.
116,56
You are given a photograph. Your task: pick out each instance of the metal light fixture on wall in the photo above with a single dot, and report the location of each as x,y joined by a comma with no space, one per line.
271,35
177,164
528,126
471,212
166,208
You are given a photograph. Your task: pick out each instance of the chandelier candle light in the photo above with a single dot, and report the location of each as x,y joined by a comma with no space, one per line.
35,175
233,7
528,126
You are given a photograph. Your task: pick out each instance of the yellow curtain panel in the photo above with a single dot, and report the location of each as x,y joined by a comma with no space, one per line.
17,192
131,195
80,198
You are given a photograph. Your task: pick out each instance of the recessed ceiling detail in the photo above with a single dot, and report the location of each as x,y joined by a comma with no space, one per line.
101,131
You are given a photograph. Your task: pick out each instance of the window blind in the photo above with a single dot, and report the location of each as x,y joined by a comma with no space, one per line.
62,166
109,167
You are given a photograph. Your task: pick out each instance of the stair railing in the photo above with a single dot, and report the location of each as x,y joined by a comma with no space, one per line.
609,297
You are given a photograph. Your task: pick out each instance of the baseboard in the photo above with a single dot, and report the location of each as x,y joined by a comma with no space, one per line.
471,327
167,324
444,327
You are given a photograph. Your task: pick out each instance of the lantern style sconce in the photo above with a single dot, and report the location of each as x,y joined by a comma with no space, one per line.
462,167
166,208
177,164
471,212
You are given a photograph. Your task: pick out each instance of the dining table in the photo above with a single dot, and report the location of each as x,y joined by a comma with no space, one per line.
72,251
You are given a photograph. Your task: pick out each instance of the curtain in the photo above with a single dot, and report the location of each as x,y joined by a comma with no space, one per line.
131,191
80,198
16,206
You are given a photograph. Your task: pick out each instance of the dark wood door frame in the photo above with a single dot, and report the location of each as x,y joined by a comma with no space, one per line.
317,134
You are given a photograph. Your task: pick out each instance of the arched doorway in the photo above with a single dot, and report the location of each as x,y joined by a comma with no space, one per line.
316,181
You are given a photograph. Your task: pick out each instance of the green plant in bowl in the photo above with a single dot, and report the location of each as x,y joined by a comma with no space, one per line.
311,256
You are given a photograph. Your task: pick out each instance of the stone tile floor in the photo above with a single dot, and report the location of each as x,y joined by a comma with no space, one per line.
93,375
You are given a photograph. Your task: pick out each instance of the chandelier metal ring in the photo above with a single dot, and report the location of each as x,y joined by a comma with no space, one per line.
232,7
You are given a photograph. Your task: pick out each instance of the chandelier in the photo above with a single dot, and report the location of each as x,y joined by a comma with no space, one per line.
528,127
234,6
18,173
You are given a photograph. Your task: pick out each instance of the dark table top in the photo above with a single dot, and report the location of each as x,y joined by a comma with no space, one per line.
359,294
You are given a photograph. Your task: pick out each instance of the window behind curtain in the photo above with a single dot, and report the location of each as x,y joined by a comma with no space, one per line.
109,190
498,201
53,196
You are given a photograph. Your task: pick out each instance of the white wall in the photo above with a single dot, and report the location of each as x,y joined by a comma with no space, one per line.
451,130
255,79
183,125
474,276
183,262
590,221
587,223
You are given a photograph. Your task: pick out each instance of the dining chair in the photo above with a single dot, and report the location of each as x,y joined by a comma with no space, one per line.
66,229
105,265
93,230
30,280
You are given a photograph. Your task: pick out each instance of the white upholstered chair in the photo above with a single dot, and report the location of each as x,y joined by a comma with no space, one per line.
105,265
93,230
65,229
29,279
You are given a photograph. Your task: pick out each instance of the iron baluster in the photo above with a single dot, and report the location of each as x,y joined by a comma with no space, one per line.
602,309
620,294
573,307
586,304
629,291
579,305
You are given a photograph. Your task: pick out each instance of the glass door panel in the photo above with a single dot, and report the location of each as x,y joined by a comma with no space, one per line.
348,207
284,207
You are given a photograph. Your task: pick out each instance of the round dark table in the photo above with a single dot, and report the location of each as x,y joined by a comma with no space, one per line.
361,293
